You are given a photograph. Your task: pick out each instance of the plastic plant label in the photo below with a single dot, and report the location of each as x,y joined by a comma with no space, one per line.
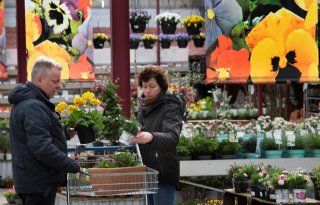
232,137
269,134
291,137
240,135
303,133
258,128
277,136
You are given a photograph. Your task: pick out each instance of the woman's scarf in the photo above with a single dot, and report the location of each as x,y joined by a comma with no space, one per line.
145,104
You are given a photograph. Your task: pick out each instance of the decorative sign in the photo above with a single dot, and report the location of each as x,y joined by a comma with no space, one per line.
61,30
256,42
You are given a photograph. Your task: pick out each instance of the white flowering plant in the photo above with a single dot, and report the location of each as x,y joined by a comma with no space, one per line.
168,18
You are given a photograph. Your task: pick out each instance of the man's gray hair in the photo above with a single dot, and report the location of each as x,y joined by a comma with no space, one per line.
44,64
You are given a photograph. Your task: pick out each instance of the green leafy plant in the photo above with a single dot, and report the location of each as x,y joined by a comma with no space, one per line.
313,141
11,194
112,111
315,174
249,145
131,126
183,148
269,144
298,180
119,159
83,112
225,147
201,145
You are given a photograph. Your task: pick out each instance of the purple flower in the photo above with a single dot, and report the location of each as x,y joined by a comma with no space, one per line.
165,37
182,36
83,39
135,37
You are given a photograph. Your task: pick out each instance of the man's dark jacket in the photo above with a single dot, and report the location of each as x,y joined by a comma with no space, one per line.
164,121
39,150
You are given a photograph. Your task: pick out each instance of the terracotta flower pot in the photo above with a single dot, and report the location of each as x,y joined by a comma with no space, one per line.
113,181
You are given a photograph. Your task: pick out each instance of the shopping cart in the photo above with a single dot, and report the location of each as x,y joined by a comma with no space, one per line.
105,184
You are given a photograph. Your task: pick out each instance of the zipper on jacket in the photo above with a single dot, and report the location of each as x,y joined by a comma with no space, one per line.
158,161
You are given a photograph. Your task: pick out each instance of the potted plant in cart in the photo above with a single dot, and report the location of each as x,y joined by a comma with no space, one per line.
193,24
120,173
99,39
168,22
149,40
165,40
134,41
182,39
130,130
298,181
138,19
83,117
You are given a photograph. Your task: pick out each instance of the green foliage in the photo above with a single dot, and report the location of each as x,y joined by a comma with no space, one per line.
226,147
249,145
269,144
201,145
131,126
119,159
11,194
183,148
313,141
113,113
316,175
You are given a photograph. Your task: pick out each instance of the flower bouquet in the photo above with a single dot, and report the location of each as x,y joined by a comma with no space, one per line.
83,117
165,40
198,40
182,39
193,24
168,22
99,39
138,19
148,40
134,40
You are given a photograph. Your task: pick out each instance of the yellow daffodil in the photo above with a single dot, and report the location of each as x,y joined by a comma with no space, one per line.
79,101
61,107
87,95
72,108
94,101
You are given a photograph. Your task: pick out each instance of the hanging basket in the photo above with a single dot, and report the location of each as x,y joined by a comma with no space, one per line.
165,44
134,45
148,44
138,27
191,30
198,42
182,43
85,134
98,44
168,28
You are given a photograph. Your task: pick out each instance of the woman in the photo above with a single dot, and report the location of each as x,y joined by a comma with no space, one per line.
160,115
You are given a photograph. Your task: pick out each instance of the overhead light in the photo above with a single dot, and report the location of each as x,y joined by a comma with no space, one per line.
102,4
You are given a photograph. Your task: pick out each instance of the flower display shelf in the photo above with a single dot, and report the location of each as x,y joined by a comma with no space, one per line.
138,27
168,28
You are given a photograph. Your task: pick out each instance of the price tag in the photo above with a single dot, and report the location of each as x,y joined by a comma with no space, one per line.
303,133
269,134
291,137
240,135
221,137
232,137
277,136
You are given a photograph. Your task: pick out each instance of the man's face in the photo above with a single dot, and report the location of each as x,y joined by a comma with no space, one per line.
49,81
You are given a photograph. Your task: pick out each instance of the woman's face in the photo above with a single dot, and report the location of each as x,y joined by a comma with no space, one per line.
151,88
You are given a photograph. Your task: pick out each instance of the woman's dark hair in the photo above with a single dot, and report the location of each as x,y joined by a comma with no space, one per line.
156,72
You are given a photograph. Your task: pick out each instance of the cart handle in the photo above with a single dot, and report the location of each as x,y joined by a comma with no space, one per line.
82,148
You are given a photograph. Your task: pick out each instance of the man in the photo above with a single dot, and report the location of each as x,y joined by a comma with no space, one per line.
39,149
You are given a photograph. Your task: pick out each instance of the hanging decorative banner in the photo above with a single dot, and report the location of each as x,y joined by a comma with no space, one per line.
3,47
61,30
270,41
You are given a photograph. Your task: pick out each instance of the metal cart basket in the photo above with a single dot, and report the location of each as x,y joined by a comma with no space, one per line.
110,182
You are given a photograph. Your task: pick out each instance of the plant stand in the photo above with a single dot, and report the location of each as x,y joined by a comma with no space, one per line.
169,28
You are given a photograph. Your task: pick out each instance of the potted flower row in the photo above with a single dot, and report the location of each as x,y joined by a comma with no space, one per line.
168,22
165,40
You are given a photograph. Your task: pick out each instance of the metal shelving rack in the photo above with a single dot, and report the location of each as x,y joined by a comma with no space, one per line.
307,88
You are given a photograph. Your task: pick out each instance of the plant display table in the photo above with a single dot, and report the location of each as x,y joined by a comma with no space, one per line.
230,196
